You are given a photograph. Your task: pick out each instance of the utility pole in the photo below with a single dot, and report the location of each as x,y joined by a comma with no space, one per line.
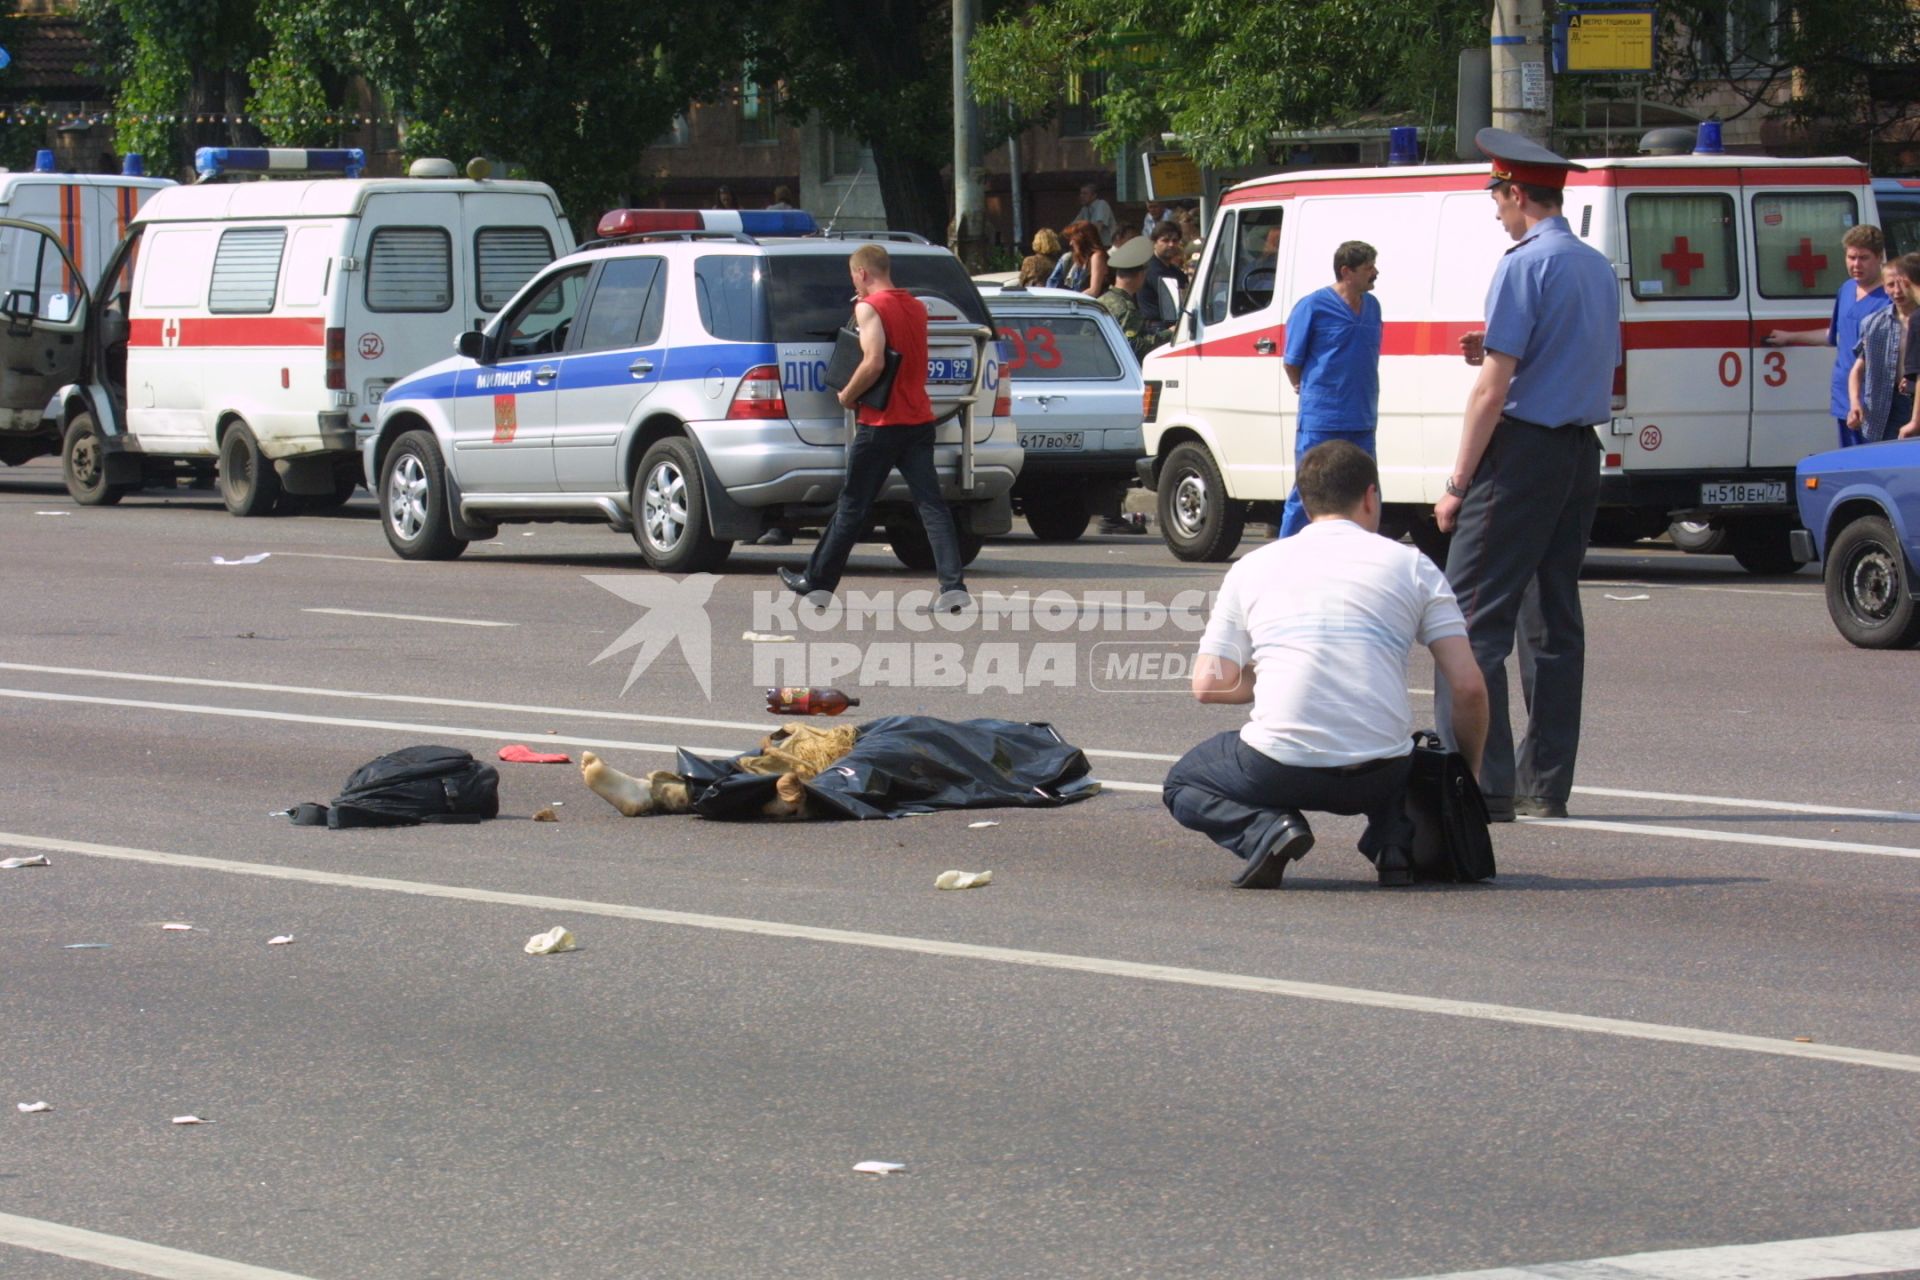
1522,93
968,230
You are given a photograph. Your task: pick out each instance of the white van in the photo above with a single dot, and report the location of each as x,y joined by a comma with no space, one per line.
1712,252
257,323
87,214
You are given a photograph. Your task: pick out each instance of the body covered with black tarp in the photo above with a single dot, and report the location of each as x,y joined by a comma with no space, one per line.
911,764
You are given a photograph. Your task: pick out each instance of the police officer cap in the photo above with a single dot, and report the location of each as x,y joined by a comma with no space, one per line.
1131,256
1518,159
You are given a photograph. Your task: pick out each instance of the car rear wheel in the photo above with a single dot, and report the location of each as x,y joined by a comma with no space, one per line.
1058,517
83,463
248,483
912,548
1197,518
413,500
1869,590
670,511
1697,537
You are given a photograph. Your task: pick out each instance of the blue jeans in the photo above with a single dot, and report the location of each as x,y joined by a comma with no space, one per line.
1295,518
1848,436
1240,798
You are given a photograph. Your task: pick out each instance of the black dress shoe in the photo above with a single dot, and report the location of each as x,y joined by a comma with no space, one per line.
1265,869
795,582
1539,807
1395,867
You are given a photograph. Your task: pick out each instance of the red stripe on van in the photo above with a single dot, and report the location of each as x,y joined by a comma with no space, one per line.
229,331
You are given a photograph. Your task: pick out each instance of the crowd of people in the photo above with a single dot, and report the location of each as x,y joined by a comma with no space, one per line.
1139,273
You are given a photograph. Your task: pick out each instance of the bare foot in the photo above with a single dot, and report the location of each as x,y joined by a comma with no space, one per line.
629,795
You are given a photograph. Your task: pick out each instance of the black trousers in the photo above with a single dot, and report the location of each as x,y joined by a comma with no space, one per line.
1238,797
876,453
1515,567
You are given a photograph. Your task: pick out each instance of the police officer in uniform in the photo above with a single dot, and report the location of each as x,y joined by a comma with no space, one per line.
1521,497
1121,300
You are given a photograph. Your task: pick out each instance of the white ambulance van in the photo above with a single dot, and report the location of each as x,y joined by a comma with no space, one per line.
1713,253
87,213
255,324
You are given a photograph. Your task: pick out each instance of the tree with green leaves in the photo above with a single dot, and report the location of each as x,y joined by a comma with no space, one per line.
173,59
1227,76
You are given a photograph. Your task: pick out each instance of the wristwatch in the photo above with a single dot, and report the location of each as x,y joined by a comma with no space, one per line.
1457,490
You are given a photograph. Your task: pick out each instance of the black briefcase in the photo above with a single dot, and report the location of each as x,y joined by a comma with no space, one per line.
846,358
1451,838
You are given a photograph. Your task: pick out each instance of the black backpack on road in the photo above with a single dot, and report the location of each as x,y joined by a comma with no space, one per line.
408,787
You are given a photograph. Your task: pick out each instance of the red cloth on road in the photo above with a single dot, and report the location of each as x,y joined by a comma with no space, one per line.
519,753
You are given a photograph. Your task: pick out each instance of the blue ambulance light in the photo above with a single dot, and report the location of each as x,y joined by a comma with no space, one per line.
133,165
777,222
1403,145
211,162
1707,142
43,162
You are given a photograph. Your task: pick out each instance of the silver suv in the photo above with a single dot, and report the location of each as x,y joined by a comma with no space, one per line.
669,380
1077,400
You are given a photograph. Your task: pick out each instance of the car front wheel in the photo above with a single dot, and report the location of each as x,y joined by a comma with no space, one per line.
83,463
1869,591
1197,518
413,500
670,511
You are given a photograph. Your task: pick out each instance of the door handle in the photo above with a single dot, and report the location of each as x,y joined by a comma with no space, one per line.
545,373
1046,400
1264,346
640,368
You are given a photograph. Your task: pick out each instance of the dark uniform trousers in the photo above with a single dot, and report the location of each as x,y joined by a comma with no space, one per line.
1515,566
1240,798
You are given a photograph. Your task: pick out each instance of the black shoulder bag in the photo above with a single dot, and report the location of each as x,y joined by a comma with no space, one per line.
1451,838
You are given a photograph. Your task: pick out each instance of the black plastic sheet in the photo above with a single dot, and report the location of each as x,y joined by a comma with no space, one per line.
913,764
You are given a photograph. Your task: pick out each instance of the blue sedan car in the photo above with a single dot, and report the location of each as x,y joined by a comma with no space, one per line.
1861,509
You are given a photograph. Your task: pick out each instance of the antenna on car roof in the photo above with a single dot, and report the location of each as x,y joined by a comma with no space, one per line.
846,195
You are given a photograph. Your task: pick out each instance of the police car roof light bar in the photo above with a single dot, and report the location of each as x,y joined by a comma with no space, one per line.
211,163
623,223
648,237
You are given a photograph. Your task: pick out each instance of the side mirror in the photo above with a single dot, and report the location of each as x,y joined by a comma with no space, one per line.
20,307
472,344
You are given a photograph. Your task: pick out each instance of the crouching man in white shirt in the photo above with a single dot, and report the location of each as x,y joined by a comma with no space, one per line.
1315,631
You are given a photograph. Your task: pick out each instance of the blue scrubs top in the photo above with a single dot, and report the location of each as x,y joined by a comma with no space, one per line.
1554,305
1338,354
1843,331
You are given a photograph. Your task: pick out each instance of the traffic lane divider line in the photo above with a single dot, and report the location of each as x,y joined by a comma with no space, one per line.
1708,835
1869,1253
1716,836
1325,993
123,1254
411,617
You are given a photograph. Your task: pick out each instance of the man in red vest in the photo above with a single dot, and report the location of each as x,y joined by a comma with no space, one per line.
900,435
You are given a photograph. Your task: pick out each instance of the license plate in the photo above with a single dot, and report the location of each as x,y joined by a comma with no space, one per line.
950,369
1744,493
1043,440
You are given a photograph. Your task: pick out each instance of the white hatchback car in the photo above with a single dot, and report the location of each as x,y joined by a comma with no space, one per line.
669,380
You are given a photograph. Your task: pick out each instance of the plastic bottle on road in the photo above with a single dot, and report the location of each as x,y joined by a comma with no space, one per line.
808,701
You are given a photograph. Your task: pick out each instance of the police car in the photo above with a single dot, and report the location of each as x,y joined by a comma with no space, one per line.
668,380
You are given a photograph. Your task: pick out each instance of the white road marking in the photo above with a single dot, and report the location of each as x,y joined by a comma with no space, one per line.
412,617
322,555
1322,992
1870,1253
630,717
1732,591
122,1254
1722,837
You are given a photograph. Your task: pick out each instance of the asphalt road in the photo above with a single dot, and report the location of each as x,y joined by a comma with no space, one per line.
1682,1021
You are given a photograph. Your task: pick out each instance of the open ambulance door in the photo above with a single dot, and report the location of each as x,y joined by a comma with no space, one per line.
43,315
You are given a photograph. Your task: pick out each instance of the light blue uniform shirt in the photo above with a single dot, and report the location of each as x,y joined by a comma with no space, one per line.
1554,305
1338,354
